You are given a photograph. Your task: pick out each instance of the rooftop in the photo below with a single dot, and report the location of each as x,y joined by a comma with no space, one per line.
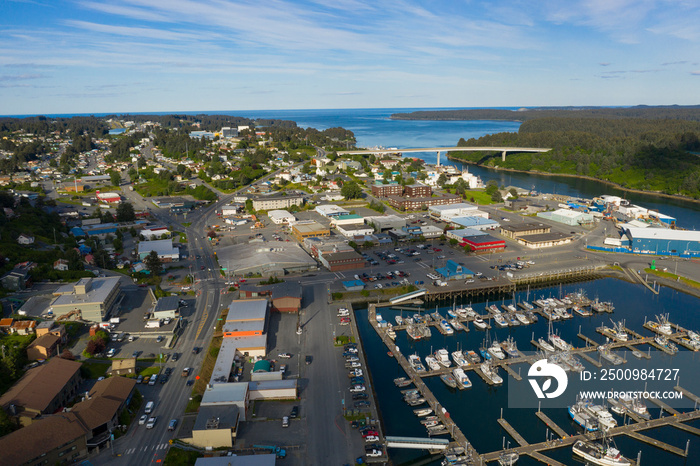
97,291
224,393
519,227
216,417
38,386
247,310
167,303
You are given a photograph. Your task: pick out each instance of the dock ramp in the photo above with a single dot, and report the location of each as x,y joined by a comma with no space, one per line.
417,443
408,296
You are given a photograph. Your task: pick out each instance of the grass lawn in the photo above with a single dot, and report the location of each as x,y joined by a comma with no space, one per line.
671,276
95,369
480,197
149,371
177,456
204,375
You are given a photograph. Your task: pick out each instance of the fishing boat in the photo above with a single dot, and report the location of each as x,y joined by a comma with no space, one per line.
559,343
415,401
456,325
449,380
427,319
607,354
635,405
399,320
422,412
691,344
664,343
563,313
512,320
415,363
510,347
479,323
572,361
414,332
408,321
459,359
545,345
461,312
391,333
470,311
603,416
693,335
618,331
461,377
472,357
483,351
582,417
531,316
443,357
402,382
437,317
525,305
601,454
602,306
432,362
550,313
661,326
582,311
496,351
445,326
521,318
491,373
418,318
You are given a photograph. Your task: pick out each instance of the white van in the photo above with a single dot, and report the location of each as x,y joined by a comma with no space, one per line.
149,407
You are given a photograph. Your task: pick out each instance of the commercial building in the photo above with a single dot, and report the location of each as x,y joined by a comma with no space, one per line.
320,245
352,230
228,394
283,389
167,307
331,210
459,235
567,217
90,299
430,231
475,223
163,247
515,230
338,261
215,427
246,318
271,259
347,219
386,222
459,209
155,232
544,240
484,244
228,132
42,390
284,297
281,217
454,271
277,202
663,241
309,230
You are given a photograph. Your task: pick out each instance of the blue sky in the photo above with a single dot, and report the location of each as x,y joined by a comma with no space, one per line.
183,55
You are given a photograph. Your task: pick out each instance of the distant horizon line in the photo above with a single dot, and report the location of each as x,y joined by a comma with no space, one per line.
231,112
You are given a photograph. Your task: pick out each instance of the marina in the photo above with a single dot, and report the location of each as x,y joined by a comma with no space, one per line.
513,369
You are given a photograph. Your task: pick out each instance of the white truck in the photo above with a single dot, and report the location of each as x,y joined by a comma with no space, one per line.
155,323
114,320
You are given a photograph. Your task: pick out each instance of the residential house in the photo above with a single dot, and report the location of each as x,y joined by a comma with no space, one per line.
25,239
61,264
44,347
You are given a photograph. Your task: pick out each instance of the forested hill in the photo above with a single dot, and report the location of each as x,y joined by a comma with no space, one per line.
671,112
652,155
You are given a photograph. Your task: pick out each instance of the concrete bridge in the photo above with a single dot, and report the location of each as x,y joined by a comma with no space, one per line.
502,149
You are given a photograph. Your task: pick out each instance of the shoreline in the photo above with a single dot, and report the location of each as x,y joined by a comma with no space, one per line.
583,177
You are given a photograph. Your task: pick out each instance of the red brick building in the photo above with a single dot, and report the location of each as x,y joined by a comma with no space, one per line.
417,190
338,261
417,203
386,190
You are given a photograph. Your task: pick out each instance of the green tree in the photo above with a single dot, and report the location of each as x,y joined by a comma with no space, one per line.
153,263
125,212
514,193
351,190
442,179
115,178
496,196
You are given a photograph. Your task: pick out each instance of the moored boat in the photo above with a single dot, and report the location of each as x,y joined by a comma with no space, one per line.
432,362
459,359
601,454
610,355
479,323
457,325
472,357
545,345
414,361
491,373
582,417
496,351
510,347
445,326
449,380
522,318
559,343
414,332
402,382
422,412
461,378
443,357
399,320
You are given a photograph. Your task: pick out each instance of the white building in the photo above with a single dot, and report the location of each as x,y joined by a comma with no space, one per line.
155,233
354,229
163,247
281,217
331,210
446,213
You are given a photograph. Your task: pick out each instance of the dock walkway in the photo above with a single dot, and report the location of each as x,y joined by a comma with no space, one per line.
551,424
512,432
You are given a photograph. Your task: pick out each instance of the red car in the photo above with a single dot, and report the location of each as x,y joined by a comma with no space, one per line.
201,267
437,249
345,319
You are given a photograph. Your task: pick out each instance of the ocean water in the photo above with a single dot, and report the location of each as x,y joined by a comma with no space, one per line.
476,410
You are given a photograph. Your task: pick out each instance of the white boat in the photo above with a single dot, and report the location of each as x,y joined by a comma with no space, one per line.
470,311
422,412
572,361
496,351
461,312
582,417
456,325
414,361
461,378
635,405
391,333
459,359
690,343
663,342
605,418
399,320
451,314
595,453
559,343
508,458
500,320
409,321
445,326
432,362
693,336
479,323
472,357
661,325
443,357
525,305
545,345
490,373
512,320
582,311
379,317
521,317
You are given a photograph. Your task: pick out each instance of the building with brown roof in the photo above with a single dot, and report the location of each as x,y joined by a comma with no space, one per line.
337,261
42,390
57,439
50,327
43,347
123,367
6,325
418,203
23,327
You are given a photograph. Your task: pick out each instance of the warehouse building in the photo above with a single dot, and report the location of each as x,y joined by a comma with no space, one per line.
338,261
460,209
163,247
281,217
309,230
277,258
331,210
484,244
459,235
475,223
544,240
522,229
663,241
568,217
386,222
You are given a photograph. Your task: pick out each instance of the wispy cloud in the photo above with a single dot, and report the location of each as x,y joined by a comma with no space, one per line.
605,63
20,77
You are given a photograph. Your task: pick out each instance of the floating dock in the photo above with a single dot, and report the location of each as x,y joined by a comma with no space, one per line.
512,432
551,424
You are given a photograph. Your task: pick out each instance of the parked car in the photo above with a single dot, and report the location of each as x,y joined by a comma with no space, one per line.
284,355
361,404
285,421
359,396
195,350
309,359
294,413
